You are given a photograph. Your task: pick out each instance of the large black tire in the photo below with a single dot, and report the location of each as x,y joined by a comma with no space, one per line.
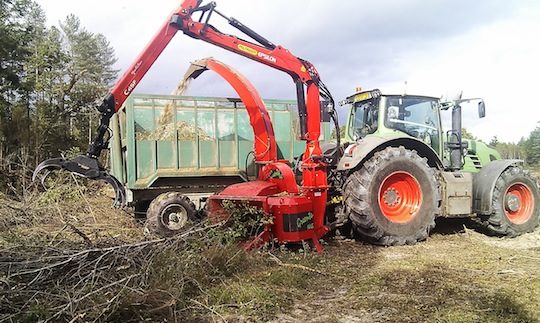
515,204
170,213
405,186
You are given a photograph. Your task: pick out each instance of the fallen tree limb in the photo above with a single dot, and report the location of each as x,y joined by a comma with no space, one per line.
97,280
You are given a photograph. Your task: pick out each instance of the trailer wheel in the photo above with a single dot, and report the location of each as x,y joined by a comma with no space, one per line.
170,213
394,198
515,204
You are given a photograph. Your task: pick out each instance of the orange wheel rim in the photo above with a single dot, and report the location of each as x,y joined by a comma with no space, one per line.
518,203
400,197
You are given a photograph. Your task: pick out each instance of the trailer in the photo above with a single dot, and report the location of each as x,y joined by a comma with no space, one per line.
195,146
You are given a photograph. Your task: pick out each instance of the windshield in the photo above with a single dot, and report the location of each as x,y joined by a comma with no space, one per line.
415,116
364,121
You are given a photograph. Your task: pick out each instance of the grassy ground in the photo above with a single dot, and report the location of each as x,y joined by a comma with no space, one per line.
461,276
451,278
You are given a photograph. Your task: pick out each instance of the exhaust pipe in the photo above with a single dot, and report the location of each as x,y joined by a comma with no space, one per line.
455,143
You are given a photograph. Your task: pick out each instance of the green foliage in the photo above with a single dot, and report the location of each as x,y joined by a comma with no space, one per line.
341,132
527,149
21,22
71,70
244,221
51,78
533,147
465,134
511,150
61,187
494,141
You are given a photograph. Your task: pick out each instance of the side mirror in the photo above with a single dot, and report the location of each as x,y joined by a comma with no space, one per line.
481,109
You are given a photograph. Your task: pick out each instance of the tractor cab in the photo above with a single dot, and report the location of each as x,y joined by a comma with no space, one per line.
377,117
393,116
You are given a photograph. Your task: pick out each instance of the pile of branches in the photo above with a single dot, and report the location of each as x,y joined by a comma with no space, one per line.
147,280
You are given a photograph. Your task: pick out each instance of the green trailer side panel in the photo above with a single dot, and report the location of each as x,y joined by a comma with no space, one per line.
282,130
227,140
166,154
187,154
172,136
145,158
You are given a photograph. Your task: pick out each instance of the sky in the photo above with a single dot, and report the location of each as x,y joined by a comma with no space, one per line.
485,48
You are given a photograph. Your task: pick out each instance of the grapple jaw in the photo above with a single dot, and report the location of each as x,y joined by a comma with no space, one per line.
83,166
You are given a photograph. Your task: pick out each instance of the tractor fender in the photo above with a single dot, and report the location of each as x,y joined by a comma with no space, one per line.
368,146
484,183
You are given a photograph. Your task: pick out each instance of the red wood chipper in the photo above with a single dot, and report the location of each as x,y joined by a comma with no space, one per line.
298,211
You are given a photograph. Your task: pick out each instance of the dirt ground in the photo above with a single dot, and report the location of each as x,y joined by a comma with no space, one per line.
457,275
452,277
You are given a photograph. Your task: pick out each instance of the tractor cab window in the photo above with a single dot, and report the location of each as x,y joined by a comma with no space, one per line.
415,116
365,118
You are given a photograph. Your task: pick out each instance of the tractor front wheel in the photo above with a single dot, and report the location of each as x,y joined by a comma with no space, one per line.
394,198
170,213
515,204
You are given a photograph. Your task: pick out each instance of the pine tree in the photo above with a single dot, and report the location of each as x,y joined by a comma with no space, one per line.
50,81
533,147
494,141
21,21
72,69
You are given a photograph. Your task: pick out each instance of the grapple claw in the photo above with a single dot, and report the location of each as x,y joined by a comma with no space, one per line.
43,177
120,192
48,166
83,166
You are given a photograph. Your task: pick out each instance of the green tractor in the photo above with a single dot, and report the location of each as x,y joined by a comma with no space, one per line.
400,171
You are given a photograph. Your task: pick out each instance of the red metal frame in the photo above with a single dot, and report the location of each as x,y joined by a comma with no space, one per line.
312,197
524,208
400,196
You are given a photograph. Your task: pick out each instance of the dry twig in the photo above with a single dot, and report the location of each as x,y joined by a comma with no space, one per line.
281,263
94,280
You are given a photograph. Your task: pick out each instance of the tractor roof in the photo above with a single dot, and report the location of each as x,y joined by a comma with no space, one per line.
375,93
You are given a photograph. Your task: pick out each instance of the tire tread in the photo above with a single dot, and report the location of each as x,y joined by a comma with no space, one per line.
358,204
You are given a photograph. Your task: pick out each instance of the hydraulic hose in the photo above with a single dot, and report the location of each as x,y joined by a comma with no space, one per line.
336,153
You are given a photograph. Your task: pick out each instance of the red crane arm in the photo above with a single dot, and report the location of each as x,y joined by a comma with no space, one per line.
302,72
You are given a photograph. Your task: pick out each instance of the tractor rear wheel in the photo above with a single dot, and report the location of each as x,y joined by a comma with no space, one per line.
515,204
170,213
394,198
